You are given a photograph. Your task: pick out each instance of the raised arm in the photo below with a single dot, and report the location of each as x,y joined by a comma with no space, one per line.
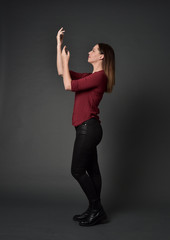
59,63
65,54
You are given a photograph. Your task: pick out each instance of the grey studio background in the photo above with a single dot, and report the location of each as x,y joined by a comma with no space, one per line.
37,136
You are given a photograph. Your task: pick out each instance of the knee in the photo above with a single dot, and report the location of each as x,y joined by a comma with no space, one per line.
77,173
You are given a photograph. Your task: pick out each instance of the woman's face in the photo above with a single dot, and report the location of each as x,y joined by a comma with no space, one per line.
94,54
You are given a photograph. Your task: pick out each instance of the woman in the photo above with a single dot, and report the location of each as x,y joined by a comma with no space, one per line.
89,89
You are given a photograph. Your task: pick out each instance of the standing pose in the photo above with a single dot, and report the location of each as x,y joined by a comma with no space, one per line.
89,89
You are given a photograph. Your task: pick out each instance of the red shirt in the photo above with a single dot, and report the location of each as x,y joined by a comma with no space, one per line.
89,89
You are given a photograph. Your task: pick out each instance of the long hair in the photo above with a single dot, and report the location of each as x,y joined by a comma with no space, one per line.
108,64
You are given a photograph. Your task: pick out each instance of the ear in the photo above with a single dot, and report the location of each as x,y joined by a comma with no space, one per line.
101,56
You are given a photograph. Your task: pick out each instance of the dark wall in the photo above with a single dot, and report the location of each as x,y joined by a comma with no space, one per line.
36,132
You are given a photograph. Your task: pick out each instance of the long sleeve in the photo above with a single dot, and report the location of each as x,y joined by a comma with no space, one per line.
75,75
89,90
94,80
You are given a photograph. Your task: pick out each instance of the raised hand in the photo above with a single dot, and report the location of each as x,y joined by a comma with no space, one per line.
65,54
60,36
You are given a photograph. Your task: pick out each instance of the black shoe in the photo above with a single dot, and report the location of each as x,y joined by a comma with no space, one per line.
96,216
83,215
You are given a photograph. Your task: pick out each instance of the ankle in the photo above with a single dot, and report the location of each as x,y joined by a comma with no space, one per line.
95,204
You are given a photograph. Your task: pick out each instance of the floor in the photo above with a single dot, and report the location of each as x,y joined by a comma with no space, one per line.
51,221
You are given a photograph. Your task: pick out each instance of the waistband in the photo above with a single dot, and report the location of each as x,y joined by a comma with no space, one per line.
91,120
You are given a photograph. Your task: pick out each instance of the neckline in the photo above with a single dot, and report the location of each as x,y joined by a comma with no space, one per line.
98,71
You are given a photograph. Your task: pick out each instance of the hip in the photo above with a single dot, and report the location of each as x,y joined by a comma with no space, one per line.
91,128
90,122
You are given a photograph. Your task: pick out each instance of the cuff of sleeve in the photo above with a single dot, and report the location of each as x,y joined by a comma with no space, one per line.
74,85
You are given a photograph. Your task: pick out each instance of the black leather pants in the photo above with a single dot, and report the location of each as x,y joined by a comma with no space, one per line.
85,168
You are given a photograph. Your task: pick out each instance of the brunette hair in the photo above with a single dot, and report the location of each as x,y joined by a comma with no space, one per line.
108,64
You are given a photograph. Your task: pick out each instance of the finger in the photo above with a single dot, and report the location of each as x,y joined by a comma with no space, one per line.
61,29
61,34
64,48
